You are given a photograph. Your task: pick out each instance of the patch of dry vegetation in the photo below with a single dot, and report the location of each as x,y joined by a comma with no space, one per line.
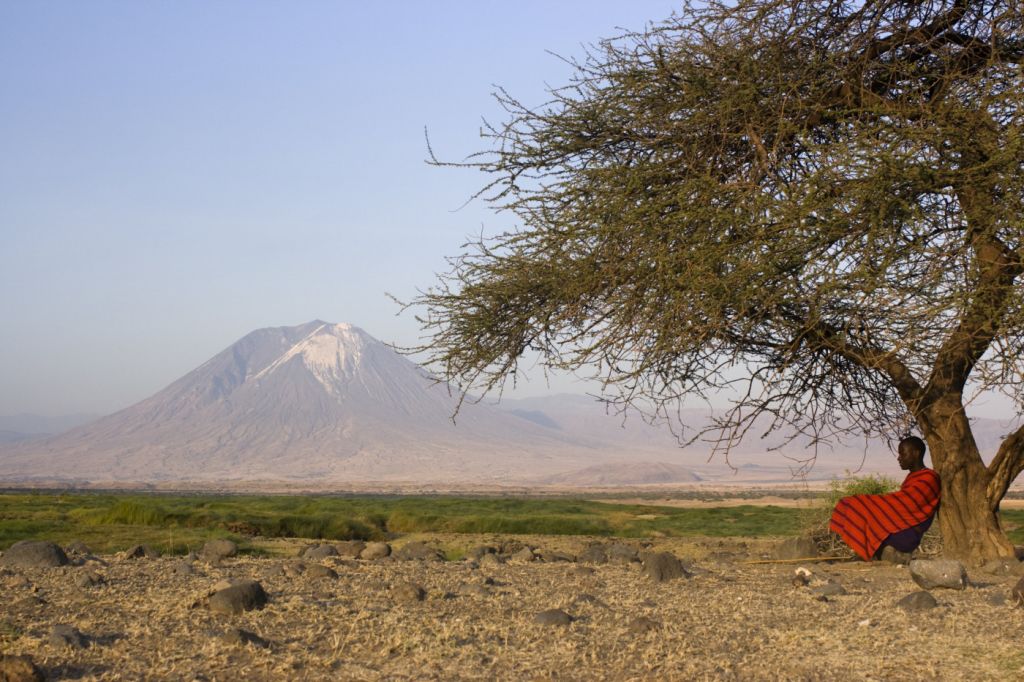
730,620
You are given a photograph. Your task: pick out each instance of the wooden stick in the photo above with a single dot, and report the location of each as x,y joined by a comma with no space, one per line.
799,561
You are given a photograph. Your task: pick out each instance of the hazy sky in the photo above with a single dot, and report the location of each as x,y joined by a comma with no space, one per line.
177,174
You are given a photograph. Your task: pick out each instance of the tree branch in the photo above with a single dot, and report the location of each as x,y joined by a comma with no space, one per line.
1006,466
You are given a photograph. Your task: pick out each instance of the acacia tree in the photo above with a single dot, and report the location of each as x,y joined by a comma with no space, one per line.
826,195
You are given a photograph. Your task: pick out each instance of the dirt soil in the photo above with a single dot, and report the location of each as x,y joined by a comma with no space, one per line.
730,620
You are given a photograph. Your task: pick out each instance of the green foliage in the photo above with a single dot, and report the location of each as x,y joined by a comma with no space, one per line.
177,523
816,518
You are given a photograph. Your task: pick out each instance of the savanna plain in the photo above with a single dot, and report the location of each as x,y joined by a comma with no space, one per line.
685,586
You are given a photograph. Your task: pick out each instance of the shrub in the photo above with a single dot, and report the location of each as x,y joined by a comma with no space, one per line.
818,516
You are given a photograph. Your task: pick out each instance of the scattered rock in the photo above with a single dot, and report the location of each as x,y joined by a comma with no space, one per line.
408,592
796,548
621,553
584,598
242,637
140,552
550,557
242,596
418,551
293,569
375,550
183,568
215,551
1017,593
594,554
553,617
1004,567
34,554
67,636
832,588
18,581
317,552
933,573
663,566
491,560
350,549
584,571
894,556
479,551
320,571
642,625
77,547
89,578
525,555
19,669
996,599
917,601
475,590
801,577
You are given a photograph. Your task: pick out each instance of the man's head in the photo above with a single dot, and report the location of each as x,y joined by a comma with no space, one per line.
910,453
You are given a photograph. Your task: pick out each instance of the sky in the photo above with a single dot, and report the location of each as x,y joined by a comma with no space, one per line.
177,174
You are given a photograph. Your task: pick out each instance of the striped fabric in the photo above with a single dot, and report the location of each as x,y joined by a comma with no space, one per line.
865,521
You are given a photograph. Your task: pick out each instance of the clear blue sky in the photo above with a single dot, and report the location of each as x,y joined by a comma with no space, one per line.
176,174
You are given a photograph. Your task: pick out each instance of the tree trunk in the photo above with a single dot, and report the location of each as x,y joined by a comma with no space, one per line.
968,519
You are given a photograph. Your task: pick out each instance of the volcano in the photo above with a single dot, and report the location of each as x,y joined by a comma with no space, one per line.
314,402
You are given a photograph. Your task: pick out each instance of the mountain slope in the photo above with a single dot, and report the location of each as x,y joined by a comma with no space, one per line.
317,401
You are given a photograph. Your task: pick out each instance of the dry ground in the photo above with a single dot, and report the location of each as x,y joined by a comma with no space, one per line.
732,620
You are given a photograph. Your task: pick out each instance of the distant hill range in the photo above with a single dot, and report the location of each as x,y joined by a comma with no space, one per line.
327,404
22,427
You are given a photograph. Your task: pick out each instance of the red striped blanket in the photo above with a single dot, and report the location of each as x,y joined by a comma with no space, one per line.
865,521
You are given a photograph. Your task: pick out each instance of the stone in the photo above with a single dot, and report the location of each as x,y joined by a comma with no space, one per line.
584,598
1017,593
243,596
917,601
19,669
216,550
293,569
89,578
418,551
894,556
375,550
242,637
553,617
140,552
550,557
584,571
491,560
34,554
996,599
594,554
1004,567
641,625
320,571
183,568
801,547
475,590
67,636
525,555
317,552
479,551
935,573
621,553
663,566
350,549
77,547
408,592
831,588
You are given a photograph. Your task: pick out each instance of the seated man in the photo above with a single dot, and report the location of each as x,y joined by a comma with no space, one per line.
869,523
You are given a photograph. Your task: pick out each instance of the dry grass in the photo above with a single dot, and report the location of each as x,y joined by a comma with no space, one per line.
731,621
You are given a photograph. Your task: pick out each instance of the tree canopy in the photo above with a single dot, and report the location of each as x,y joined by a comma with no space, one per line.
825,195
